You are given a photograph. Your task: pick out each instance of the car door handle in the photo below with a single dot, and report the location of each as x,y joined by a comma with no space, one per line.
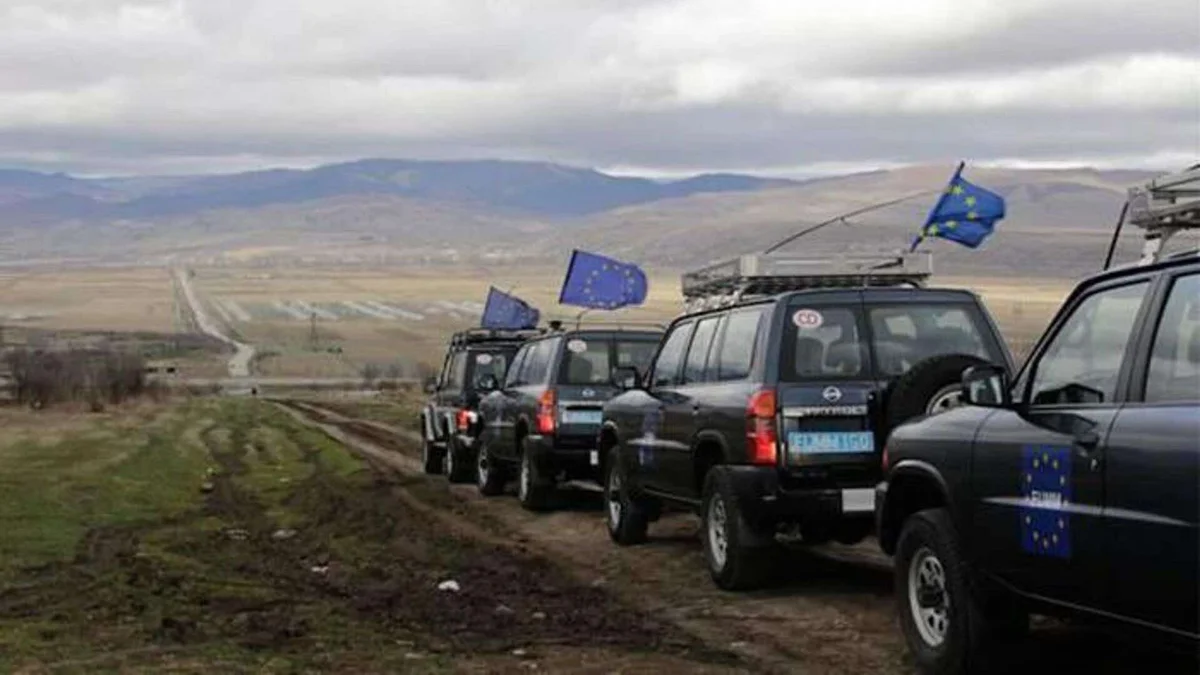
1088,441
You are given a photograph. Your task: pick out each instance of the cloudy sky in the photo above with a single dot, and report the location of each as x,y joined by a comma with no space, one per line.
652,86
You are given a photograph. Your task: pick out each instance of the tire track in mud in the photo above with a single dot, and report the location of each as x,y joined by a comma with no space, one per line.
835,614
831,617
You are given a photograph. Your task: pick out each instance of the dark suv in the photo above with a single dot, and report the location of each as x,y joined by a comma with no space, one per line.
449,418
1071,491
542,422
770,415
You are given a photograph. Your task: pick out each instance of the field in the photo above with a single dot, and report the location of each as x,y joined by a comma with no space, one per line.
234,535
394,320
225,535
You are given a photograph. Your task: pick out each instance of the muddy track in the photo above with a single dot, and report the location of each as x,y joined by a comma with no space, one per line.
834,612
829,618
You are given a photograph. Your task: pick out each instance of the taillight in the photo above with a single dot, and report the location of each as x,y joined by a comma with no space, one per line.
464,419
761,434
884,461
546,419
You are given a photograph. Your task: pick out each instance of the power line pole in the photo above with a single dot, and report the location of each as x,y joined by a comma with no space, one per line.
313,332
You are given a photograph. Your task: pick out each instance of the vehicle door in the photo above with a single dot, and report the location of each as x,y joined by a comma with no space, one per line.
521,399
650,447
1151,477
1038,468
449,394
497,412
682,410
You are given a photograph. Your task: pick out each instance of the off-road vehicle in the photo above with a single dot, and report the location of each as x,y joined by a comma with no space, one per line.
540,425
449,418
767,406
1073,489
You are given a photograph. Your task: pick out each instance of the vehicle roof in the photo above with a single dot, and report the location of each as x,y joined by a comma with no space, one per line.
641,333
1184,259
873,293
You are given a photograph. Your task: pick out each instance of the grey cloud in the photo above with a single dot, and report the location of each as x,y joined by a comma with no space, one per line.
150,87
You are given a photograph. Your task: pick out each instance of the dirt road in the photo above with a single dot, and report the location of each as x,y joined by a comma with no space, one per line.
239,364
833,614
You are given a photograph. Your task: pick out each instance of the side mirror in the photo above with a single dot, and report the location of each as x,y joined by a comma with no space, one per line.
986,386
431,385
487,383
626,378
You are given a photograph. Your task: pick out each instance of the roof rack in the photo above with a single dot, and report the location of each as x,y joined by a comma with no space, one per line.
479,335
765,274
580,323
1164,207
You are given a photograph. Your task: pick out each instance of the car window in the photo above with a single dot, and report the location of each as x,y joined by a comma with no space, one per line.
588,359
537,366
1174,373
456,372
697,356
636,353
513,378
1083,360
666,366
823,343
910,333
736,352
484,362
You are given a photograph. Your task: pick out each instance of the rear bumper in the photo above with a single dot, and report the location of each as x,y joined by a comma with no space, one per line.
575,460
762,496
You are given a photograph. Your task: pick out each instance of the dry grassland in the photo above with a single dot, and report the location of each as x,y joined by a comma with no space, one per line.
140,299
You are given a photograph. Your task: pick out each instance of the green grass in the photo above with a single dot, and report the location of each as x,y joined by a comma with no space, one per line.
115,559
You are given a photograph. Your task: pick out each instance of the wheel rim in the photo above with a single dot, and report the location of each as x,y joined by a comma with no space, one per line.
927,597
614,498
523,485
482,466
718,545
947,398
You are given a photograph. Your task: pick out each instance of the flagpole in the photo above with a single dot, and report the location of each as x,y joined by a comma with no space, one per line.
851,214
937,206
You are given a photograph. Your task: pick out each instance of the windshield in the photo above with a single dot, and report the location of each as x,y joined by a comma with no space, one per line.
830,342
592,360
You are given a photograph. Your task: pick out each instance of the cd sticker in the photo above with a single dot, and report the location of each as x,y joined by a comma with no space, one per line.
808,319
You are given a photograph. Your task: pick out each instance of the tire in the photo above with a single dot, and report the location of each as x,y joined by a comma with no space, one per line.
534,490
459,466
490,475
944,623
739,557
917,392
431,458
627,518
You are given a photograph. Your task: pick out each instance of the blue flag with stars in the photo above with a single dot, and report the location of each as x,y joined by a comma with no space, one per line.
598,282
965,213
1046,495
508,312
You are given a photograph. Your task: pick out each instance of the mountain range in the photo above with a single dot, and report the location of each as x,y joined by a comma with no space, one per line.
492,212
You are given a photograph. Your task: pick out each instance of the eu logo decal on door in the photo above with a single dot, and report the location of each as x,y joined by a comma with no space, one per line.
1046,494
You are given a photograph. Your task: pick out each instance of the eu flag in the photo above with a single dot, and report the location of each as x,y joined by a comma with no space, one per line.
1046,496
598,282
508,312
965,213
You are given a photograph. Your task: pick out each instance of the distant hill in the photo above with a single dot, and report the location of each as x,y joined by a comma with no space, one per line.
530,188
496,212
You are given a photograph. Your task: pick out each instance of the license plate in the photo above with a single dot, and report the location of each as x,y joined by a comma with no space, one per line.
861,500
581,417
831,442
